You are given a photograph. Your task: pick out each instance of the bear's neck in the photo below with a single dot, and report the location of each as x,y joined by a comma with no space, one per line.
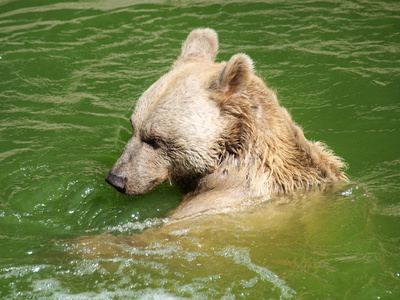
274,159
242,178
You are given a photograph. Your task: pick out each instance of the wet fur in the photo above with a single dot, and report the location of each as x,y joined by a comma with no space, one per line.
239,143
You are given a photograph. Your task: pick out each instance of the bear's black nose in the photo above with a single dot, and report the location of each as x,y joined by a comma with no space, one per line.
118,182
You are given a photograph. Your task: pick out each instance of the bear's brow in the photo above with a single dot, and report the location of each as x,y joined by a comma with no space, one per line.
133,124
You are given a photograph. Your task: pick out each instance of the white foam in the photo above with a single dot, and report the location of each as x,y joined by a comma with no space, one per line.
130,227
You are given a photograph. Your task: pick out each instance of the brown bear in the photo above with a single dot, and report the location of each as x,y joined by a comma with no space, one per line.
218,133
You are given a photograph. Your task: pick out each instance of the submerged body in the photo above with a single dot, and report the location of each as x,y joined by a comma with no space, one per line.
217,132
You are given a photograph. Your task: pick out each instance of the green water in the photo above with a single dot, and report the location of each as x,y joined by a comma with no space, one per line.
70,73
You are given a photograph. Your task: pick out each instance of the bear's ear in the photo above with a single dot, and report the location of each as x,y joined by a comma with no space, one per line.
201,43
235,76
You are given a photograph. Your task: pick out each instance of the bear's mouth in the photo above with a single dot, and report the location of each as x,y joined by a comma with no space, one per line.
148,187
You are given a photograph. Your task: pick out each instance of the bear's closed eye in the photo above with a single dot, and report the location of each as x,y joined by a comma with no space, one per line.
154,142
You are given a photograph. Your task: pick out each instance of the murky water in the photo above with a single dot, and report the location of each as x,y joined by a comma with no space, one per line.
69,76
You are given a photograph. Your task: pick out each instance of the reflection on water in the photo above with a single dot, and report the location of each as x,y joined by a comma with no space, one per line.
70,73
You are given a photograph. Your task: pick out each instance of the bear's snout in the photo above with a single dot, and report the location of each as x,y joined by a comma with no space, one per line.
117,182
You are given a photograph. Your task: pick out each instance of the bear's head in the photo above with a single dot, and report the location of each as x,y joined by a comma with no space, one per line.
182,129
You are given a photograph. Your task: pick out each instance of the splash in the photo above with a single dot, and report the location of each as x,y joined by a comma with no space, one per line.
136,227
